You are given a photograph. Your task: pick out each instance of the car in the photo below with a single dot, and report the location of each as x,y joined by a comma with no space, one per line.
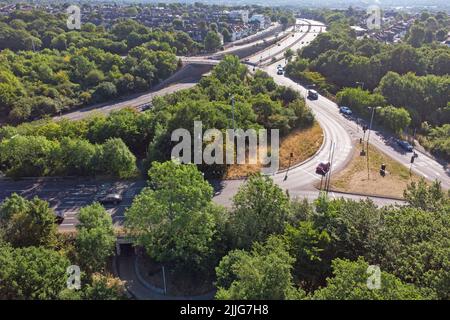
405,145
279,44
280,71
145,106
323,168
112,198
345,110
59,217
313,95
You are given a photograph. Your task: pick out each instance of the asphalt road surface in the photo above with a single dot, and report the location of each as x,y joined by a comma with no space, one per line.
135,101
340,128
67,196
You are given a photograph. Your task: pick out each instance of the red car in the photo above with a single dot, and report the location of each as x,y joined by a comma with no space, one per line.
323,168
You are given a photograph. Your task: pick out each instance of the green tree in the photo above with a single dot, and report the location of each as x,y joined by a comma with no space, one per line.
441,35
264,273
307,245
174,219
288,54
416,36
10,90
260,208
213,27
78,156
104,287
226,35
31,273
349,282
117,159
95,238
414,245
426,197
178,24
27,223
359,100
212,41
28,156
230,70
105,91
396,119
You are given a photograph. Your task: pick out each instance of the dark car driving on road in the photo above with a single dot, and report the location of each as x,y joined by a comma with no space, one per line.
405,145
59,217
112,198
323,168
313,95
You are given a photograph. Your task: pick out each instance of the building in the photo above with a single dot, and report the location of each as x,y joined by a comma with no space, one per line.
239,15
447,42
240,31
358,30
259,19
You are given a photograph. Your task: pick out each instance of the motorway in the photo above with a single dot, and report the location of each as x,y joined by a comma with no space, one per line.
133,101
68,195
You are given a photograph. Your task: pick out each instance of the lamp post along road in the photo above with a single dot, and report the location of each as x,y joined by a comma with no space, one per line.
368,137
232,110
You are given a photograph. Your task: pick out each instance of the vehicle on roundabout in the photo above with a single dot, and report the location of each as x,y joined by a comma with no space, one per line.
313,94
323,168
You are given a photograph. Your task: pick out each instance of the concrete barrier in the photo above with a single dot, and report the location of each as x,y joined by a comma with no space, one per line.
189,71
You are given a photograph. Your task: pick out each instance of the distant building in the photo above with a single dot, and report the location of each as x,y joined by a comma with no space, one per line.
239,14
260,19
358,30
447,42
240,31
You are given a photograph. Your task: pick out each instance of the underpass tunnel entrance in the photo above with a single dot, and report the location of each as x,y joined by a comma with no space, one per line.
124,248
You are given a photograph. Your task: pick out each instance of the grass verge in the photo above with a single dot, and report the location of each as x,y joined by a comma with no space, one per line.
354,178
302,143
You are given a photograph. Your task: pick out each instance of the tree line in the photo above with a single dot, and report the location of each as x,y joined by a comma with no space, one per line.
54,70
259,103
268,246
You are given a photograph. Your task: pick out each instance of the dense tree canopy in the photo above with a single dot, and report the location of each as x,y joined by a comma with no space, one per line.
174,219
88,147
95,239
349,282
46,69
22,156
26,223
260,208
31,273
264,273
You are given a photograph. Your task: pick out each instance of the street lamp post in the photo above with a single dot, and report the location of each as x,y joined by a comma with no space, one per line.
232,110
164,279
368,137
